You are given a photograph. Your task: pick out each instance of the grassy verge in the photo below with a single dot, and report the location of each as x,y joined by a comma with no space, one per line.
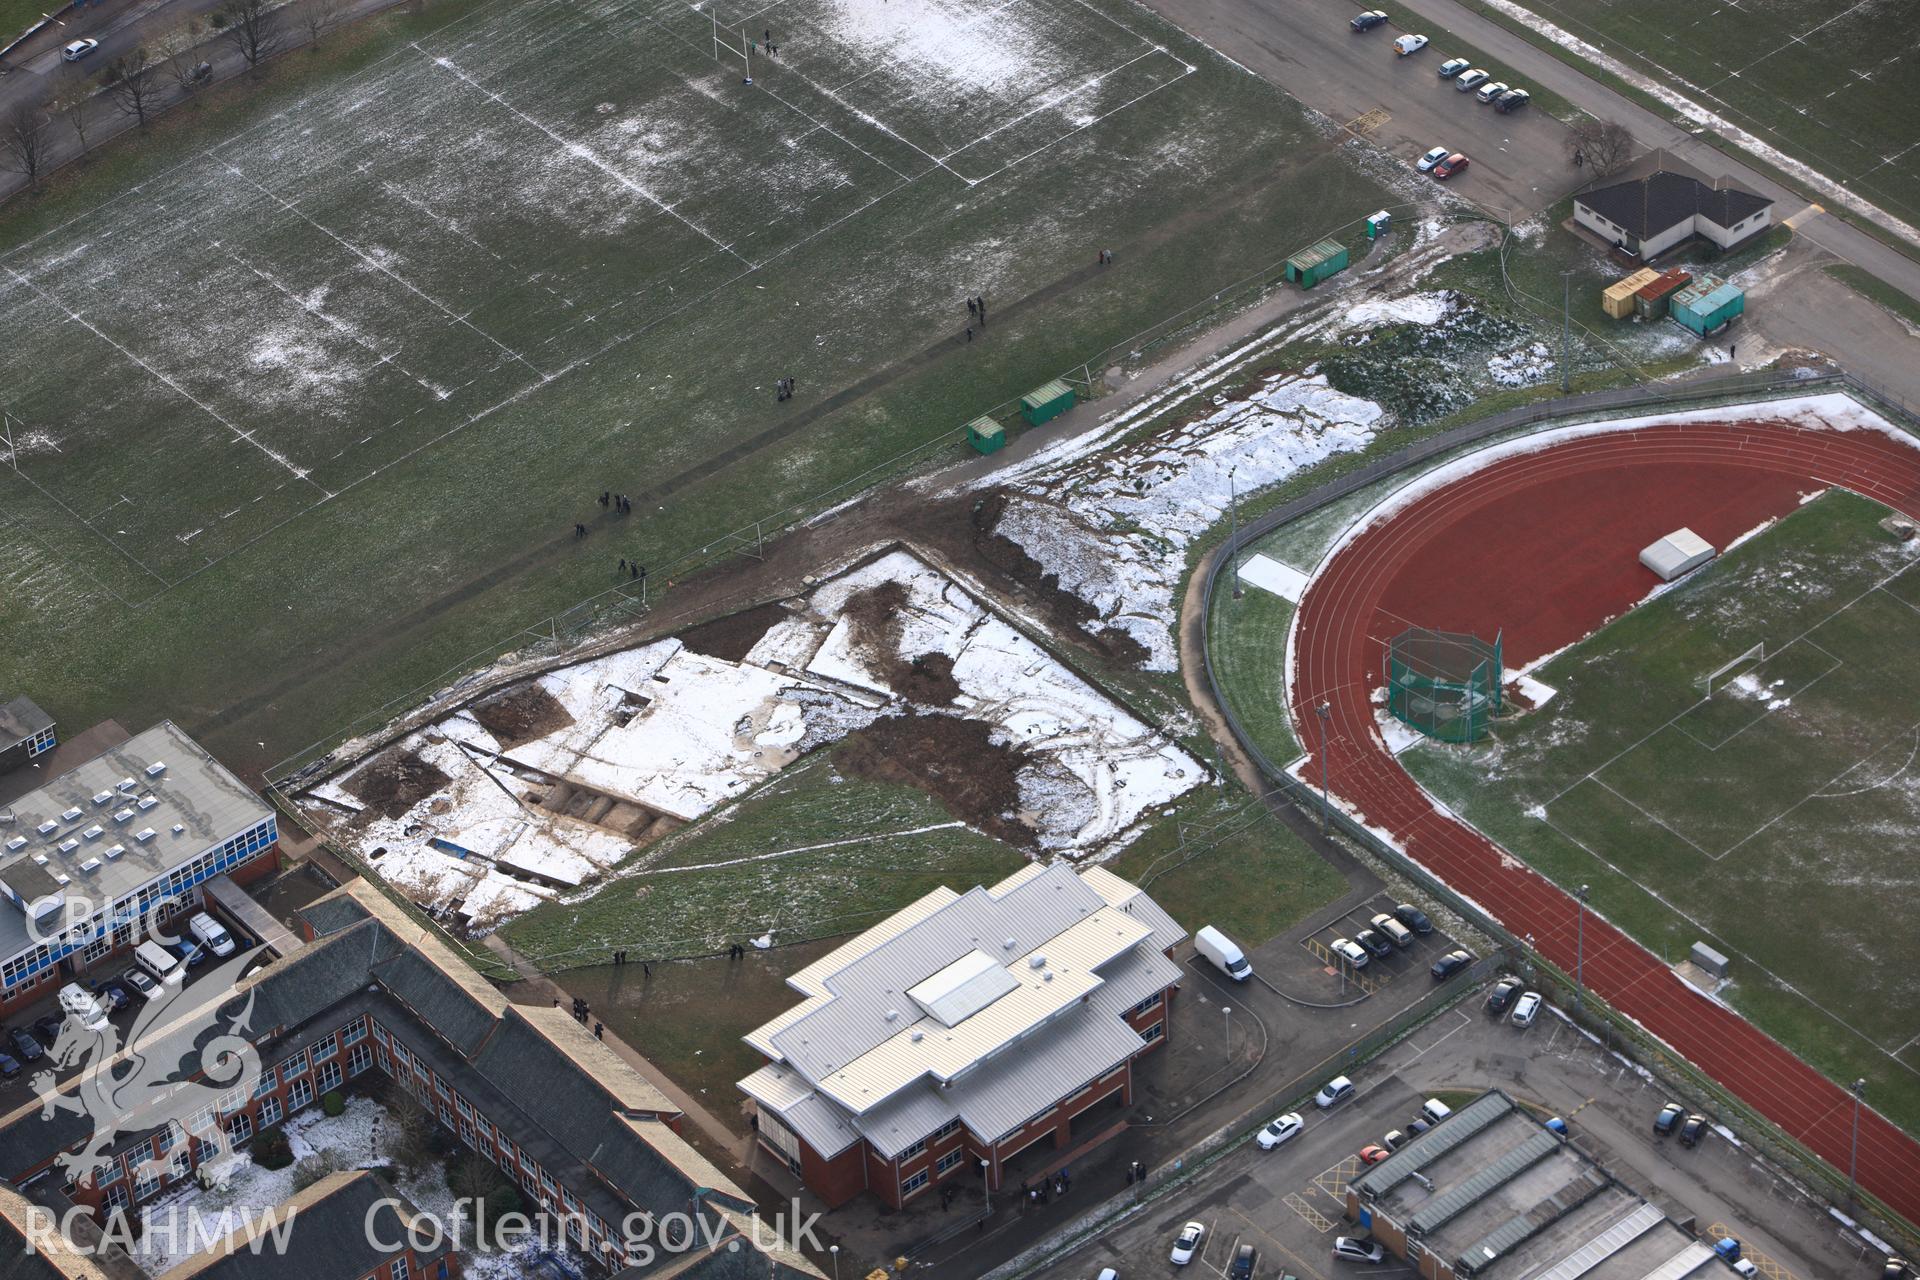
1877,290
1247,641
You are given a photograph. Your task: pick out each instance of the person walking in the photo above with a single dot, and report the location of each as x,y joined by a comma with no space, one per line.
599,1027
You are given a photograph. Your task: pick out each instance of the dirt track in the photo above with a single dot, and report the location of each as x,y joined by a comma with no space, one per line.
1352,607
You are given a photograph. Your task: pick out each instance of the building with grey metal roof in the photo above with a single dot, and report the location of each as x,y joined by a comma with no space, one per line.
91,854
1491,1192
963,1029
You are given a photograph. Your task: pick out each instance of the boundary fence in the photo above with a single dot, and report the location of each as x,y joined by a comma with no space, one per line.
1683,1079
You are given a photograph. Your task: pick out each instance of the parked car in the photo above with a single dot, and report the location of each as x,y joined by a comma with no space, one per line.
1454,961
1372,1154
1375,943
1352,1249
141,982
1108,1273
9,1066
1471,80
1897,1268
1368,20
1245,1259
1394,1140
191,956
1413,917
47,1028
1502,995
1223,951
1431,158
113,994
24,1045
1392,930
1352,952
1455,163
1488,92
210,934
78,50
1557,1125
1435,1110
1692,1129
1727,1249
1187,1243
1669,1116
1409,44
1453,67
1279,1131
81,1004
1338,1089
1526,1009
1417,1126
1512,100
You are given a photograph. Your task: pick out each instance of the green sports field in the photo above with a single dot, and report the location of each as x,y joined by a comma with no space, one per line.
1775,817
304,395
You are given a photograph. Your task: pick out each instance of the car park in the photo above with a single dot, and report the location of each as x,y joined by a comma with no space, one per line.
1409,44
1526,1009
141,982
1394,1140
25,1045
1369,19
1663,1124
1502,996
1431,158
1279,1131
1338,1089
1512,100
1455,163
1375,943
78,50
1354,1249
1352,952
1454,961
1449,69
1373,1153
1488,92
1692,1129
1471,80
1187,1243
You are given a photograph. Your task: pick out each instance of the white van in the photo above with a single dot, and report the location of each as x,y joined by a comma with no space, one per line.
160,964
209,934
79,1003
1223,951
1435,1110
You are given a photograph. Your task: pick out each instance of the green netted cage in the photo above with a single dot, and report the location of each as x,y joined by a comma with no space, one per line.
1443,684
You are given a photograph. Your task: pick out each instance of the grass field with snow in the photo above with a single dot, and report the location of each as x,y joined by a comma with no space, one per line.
304,399
1774,818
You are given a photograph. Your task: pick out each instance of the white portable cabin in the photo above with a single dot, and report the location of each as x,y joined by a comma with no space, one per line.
1681,551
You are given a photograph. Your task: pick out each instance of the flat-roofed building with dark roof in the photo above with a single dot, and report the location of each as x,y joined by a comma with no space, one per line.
25,732
1492,1193
1647,216
125,838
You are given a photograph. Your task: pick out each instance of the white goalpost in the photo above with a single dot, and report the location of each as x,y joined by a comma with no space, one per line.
744,52
1756,654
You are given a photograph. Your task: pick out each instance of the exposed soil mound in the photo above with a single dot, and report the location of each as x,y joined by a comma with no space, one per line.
949,758
927,679
1070,612
874,615
521,715
732,637
395,782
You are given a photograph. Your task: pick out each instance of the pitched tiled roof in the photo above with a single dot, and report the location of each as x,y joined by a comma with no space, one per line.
330,1234
1647,206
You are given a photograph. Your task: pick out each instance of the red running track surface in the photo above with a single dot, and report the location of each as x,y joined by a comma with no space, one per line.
1545,545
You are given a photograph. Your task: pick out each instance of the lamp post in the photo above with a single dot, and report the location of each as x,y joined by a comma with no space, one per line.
1580,949
373,1140
1227,1009
1566,329
1853,1159
986,1186
834,1249
1325,712
1233,512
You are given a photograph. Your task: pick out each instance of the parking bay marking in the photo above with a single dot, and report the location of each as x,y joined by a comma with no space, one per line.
1334,1180
1314,1218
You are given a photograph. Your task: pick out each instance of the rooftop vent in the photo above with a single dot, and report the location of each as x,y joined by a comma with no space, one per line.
1007,945
146,802
114,850
71,814
103,797
126,784
155,769
1038,960
178,827
47,828
62,878
91,864
893,1015
1047,976
18,842
143,835
69,845
94,832
918,1035
40,859
122,815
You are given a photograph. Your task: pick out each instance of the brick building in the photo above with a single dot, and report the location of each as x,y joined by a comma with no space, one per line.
586,1138
128,836
953,1036
25,732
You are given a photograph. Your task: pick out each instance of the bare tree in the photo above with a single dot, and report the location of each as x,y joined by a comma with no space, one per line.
24,142
181,48
73,105
251,27
131,81
1601,145
319,17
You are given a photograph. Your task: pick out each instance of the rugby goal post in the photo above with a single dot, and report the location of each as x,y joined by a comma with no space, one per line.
744,52
1713,678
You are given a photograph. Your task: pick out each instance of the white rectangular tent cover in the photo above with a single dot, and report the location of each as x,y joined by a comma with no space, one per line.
1677,553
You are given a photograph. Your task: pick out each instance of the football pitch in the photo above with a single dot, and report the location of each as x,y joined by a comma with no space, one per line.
1738,762
369,353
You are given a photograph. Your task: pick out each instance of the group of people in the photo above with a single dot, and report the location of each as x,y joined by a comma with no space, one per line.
783,389
620,957
618,501
977,313
1058,1185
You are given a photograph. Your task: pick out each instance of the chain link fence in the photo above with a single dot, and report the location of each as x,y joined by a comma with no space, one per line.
1686,1082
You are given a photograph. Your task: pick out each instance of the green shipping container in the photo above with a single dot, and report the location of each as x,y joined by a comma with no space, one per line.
986,435
1045,403
1708,305
1310,266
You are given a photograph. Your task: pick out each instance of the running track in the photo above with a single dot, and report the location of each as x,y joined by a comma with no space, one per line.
1701,474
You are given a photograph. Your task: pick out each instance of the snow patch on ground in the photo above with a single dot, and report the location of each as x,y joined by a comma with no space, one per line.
1268,574
1523,366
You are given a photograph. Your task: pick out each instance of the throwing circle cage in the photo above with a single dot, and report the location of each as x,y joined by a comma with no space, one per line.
1444,684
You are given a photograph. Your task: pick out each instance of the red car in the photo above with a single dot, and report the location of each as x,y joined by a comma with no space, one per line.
1373,1154
1451,165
